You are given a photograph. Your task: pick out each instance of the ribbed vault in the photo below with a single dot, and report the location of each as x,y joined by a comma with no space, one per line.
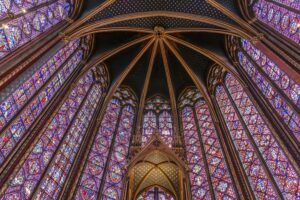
160,47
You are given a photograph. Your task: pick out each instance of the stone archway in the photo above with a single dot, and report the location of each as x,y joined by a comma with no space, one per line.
157,165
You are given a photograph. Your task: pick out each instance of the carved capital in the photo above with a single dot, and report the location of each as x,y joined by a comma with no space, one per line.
256,39
83,62
65,38
251,21
69,20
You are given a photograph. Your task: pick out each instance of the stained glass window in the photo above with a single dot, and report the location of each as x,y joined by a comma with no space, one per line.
24,28
62,132
18,6
23,106
157,117
114,179
203,149
281,15
91,177
155,193
258,149
281,91
112,140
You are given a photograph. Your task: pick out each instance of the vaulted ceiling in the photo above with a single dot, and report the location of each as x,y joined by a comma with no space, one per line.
195,29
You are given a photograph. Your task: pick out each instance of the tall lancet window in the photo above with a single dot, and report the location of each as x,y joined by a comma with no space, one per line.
268,168
208,167
43,171
157,117
103,173
280,90
31,18
281,15
32,92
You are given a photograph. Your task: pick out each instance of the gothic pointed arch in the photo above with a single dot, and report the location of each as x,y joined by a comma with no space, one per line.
280,16
275,82
25,99
209,175
157,116
103,172
255,141
157,165
53,150
149,99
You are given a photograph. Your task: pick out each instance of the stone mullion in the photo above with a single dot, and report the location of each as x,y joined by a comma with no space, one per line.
284,6
294,159
157,120
111,148
241,181
33,45
124,184
134,126
82,155
273,118
40,89
248,133
19,152
290,56
211,189
188,181
246,10
226,152
284,45
11,74
272,83
12,16
34,192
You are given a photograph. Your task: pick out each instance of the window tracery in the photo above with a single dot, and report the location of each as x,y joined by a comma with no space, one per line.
261,155
24,105
204,153
157,116
281,15
44,169
279,89
24,28
108,156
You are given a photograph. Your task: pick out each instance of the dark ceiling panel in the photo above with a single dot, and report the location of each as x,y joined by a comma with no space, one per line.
88,5
166,22
158,82
231,5
210,40
198,7
136,77
111,40
199,63
119,62
180,78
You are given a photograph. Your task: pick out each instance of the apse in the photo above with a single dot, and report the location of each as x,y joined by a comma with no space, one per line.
149,99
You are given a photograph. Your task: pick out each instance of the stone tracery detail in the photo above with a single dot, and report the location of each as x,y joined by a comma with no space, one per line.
64,130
